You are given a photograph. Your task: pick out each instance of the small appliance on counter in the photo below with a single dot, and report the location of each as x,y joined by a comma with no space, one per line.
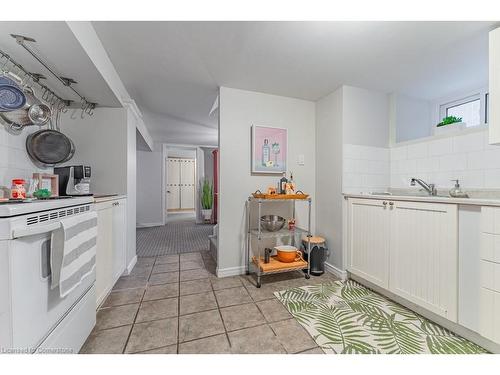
74,180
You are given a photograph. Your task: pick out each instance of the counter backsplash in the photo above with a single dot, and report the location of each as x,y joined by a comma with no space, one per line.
14,160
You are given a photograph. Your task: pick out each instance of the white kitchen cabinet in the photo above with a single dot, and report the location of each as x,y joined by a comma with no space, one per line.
424,255
111,245
409,248
489,306
494,87
369,224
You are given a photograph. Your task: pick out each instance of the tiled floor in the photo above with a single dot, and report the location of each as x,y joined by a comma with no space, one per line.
174,304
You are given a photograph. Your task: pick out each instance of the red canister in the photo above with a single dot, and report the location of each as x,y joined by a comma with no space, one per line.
18,191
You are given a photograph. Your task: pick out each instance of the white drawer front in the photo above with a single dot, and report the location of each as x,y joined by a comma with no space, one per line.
490,220
490,247
490,312
490,276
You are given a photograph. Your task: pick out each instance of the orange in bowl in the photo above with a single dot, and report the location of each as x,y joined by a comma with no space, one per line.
288,254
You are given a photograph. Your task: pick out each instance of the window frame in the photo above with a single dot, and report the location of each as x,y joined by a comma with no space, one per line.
481,95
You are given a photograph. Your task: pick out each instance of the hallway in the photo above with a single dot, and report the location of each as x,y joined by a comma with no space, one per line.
175,237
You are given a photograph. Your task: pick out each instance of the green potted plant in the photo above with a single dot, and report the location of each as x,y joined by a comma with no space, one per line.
206,200
449,123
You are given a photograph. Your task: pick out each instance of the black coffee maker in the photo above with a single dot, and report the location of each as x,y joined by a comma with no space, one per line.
74,180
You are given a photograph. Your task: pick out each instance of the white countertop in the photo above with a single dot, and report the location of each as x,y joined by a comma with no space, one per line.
430,199
108,197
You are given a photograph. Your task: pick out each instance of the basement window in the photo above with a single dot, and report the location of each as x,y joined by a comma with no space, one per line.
472,109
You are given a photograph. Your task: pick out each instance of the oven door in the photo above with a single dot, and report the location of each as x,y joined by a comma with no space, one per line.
36,308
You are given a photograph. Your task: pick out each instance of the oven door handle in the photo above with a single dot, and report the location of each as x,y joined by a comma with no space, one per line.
39,229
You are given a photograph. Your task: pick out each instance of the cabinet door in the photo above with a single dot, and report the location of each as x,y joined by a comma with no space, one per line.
119,238
369,223
424,255
104,252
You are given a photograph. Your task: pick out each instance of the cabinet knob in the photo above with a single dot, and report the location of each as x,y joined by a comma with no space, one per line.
384,203
391,203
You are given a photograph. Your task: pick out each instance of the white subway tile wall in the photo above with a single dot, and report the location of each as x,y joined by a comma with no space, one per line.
365,169
468,158
14,160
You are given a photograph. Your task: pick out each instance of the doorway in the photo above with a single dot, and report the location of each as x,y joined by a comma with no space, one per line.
181,187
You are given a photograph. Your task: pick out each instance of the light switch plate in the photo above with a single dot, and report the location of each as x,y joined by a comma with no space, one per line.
301,159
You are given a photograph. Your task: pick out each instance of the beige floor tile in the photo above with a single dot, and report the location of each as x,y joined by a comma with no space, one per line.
241,316
199,325
165,259
123,297
273,310
195,286
232,296
164,278
171,349
129,282
161,291
197,302
158,309
190,257
140,271
109,341
209,345
226,282
192,265
293,336
152,335
167,267
116,316
145,262
255,340
196,274
316,350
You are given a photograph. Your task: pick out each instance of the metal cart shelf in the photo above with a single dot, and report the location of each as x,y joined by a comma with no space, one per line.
259,234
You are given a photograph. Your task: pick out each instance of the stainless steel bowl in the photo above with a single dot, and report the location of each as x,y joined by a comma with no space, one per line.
272,223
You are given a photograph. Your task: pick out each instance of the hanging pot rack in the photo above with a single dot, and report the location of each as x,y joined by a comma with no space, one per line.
87,107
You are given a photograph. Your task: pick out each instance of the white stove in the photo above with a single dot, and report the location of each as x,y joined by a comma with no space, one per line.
33,317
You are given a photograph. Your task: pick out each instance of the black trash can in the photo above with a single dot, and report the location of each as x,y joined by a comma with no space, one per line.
319,254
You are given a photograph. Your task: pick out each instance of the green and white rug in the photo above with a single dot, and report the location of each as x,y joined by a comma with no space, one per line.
346,317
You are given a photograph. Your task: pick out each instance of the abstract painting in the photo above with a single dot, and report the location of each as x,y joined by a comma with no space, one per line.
269,149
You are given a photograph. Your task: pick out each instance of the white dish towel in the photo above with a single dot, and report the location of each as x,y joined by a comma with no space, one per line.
73,251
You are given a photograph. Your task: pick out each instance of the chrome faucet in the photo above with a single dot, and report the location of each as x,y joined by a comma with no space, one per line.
429,188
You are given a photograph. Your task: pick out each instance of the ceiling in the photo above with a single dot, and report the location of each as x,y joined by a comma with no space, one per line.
57,45
173,69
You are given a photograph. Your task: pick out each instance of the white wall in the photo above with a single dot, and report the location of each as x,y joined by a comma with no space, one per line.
14,160
366,169
467,157
101,142
328,195
365,117
149,187
239,110
181,153
413,117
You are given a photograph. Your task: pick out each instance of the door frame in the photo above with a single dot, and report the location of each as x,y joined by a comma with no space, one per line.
199,173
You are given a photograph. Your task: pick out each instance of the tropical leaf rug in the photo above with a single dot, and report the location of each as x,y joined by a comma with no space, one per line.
346,317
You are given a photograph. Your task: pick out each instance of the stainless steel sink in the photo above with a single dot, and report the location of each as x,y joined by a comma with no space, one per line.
403,194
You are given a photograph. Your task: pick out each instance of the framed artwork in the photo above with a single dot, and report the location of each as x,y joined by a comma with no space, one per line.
269,149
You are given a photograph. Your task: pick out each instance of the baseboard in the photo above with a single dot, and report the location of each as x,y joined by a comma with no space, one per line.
147,225
131,265
342,275
231,271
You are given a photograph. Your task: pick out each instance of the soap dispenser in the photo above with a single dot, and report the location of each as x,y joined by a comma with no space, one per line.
456,191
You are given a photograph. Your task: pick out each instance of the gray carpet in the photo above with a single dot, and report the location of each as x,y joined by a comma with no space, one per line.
183,236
